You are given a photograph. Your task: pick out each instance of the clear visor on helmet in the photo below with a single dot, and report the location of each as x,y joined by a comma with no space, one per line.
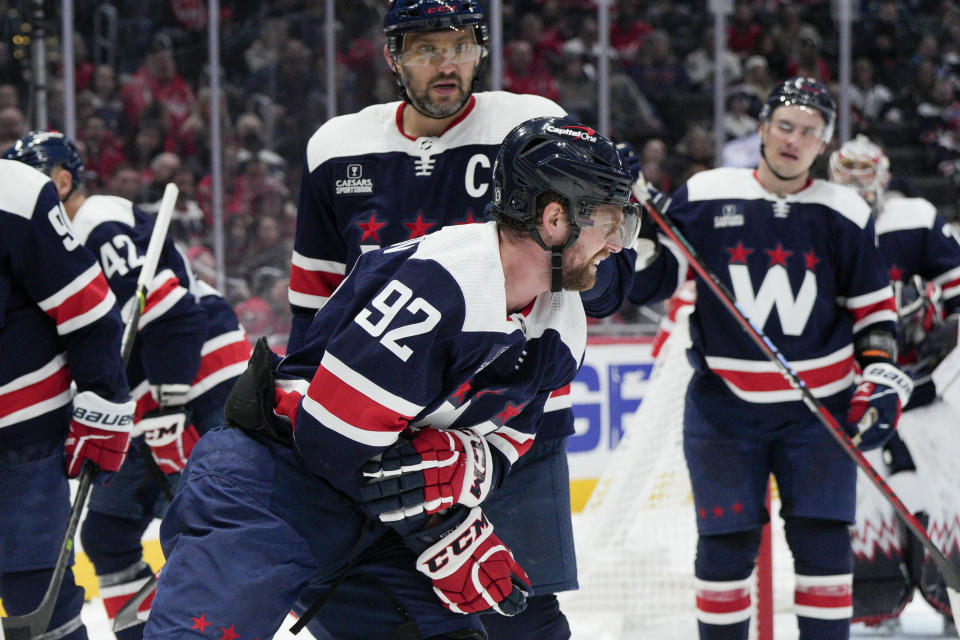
619,223
426,54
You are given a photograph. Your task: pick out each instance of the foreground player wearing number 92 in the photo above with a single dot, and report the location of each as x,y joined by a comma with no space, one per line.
420,382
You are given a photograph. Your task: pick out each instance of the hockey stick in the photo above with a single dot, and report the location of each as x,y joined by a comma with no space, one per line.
950,574
33,624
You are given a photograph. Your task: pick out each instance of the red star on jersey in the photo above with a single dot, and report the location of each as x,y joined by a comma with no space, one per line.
371,228
778,255
702,512
810,259
418,227
469,219
200,623
461,392
739,253
895,274
229,633
737,507
717,511
508,413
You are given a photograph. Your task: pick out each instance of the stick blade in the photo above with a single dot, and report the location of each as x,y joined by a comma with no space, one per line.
24,627
132,612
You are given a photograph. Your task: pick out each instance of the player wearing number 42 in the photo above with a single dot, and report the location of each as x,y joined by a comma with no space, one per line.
188,352
801,259
422,379
59,324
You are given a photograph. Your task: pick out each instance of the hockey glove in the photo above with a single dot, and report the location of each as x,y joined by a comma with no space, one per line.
100,433
434,470
877,403
471,569
940,341
167,430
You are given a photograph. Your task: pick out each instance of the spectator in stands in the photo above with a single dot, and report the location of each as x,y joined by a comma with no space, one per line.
694,153
578,89
125,182
785,34
699,63
105,98
163,167
628,31
756,78
883,35
632,116
264,51
744,29
586,42
871,100
807,59
934,111
658,71
737,121
103,153
9,96
521,75
145,143
546,41
13,126
193,143
157,81
203,264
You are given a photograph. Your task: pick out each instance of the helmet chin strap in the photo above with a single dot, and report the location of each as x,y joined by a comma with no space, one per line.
556,268
763,154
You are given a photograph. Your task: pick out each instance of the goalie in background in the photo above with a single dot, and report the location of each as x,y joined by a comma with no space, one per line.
800,256
922,254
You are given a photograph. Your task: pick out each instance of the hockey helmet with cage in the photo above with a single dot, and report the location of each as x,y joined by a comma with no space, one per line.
559,155
45,150
862,165
805,93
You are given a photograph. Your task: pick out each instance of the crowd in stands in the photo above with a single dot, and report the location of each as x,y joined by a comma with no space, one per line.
143,117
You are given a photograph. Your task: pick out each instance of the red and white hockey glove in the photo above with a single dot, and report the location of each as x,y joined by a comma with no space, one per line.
471,569
877,403
99,432
434,470
167,430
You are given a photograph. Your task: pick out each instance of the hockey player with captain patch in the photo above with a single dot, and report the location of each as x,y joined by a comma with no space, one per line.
801,259
58,325
188,352
923,259
443,349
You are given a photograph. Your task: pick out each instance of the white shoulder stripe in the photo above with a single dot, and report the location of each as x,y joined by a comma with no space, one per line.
20,186
900,214
99,209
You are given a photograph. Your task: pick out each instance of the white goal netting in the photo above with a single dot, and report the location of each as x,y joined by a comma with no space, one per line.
636,537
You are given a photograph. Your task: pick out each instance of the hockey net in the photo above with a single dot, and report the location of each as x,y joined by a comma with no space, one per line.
636,537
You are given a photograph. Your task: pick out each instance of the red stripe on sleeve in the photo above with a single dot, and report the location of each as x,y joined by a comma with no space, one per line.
314,283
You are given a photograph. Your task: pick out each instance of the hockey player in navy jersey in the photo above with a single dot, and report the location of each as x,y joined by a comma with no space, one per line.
922,254
800,257
189,351
59,324
375,445
412,167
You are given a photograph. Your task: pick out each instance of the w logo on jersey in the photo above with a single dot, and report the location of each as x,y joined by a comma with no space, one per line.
775,291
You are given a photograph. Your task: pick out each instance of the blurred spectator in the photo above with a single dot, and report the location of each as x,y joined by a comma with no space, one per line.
521,75
743,152
938,112
9,96
82,65
578,90
13,126
103,151
268,247
125,182
737,121
657,72
203,264
586,42
547,43
871,100
917,97
632,117
694,154
653,156
252,140
186,224
744,29
881,37
264,51
628,30
194,141
237,230
699,63
807,59
157,81
143,146
785,33
162,169
104,95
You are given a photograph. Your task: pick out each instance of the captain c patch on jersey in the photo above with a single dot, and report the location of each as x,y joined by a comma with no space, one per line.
354,179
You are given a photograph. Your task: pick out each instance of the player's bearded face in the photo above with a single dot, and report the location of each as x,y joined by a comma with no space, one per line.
439,92
437,69
597,240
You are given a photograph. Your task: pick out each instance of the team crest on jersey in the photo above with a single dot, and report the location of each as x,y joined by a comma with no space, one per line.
731,215
354,179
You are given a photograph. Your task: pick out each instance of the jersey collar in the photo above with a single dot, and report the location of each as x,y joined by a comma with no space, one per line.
470,104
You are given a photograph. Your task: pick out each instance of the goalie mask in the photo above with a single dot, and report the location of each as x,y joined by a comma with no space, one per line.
862,165
419,16
563,157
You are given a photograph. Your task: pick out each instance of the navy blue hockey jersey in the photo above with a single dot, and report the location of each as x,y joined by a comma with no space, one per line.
172,327
58,317
805,269
418,335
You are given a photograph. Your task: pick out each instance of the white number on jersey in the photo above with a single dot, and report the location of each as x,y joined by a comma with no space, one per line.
389,302
111,260
59,223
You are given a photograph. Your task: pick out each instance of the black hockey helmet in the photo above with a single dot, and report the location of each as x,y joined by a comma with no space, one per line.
409,16
45,150
803,92
575,161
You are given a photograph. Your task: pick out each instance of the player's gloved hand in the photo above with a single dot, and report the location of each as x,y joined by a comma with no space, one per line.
877,403
630,157
940,341
434,470
100,433
471,569
167,429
